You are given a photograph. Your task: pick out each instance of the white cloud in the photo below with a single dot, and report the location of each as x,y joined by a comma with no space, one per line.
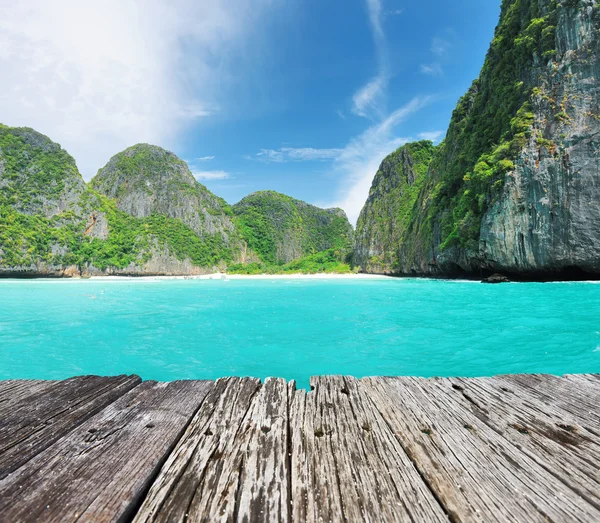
100,76
395,12
368,98
205,158
292,154
434,136
211,175
434,69
368,101
358,162
439,46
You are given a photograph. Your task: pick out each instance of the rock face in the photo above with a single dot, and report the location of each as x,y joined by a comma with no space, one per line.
143,214
52,224
280,229
548,214
37,176
515,186
384,219
146,180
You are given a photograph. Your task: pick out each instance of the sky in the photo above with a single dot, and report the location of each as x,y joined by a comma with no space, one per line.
304,97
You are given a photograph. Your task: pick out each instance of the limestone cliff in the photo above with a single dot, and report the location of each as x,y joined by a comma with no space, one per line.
515,186
281,229
52,224
144,214
37,176
146,180
384,219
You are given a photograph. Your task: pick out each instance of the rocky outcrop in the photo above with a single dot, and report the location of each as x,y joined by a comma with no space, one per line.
515,186
547,217
143,214
146,180
37,176
384,219
280,229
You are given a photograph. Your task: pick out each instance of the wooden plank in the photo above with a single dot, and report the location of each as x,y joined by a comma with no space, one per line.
548,435
263,448
347,464
39,419
200,479
589,380
580,401
100,471
476,473
15,391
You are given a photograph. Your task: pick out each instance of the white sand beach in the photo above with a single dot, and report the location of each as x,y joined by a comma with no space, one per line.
224,276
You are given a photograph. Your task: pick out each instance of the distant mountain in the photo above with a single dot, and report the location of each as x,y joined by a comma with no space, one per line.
37,176
280,229
515,185
384,220
146,180
143,213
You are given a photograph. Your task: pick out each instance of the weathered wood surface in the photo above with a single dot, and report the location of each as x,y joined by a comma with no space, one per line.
511,448
42,415
216,473
14,391
578,399
100,471
346,462
550,436
476,473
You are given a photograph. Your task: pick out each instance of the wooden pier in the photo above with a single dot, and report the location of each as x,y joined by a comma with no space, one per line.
510,448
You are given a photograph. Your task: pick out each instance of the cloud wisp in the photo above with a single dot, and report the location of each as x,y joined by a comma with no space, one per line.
204,158
434,69
434,136
439,48
355,164
294,154
369,100
211,175
100,76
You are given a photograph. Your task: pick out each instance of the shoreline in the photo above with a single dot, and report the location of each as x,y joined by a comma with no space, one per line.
216,277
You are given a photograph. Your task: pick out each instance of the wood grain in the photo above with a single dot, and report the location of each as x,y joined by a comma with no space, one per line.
45,413
200,479
347,463
475,472
101,470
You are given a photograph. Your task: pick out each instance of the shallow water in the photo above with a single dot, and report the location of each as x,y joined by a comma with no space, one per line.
176,329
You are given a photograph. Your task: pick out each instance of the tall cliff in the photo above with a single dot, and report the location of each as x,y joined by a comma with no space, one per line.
52,224
384,219
144,213
281,229
515,186
146,179
37,176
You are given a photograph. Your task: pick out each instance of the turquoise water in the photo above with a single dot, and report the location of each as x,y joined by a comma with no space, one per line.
174,329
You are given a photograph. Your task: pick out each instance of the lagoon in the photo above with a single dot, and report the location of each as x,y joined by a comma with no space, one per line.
295,328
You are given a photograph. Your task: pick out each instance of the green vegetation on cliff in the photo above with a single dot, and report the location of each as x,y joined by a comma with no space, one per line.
144,212
501,130
280,229
384,220
322,262
36,174
28,240
490,125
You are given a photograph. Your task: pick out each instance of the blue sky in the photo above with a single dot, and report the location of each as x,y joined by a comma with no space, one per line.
304,97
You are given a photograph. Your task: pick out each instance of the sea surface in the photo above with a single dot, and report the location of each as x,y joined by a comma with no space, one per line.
296,328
